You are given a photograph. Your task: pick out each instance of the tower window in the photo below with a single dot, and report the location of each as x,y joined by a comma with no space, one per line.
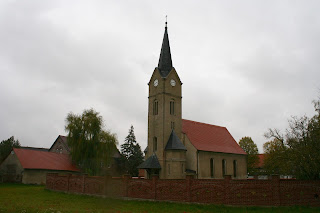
212,167
234,168
172,124
155,107
224,167
155,144
172,107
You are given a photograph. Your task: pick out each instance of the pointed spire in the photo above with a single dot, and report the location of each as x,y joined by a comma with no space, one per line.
165,62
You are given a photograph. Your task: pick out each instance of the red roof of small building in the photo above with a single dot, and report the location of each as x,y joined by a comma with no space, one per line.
35,159
207,137
260,164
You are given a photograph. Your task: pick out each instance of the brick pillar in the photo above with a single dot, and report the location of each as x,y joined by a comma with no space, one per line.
227,179
126,179
154,185
189,179
68,181
83,183
275,181
107,181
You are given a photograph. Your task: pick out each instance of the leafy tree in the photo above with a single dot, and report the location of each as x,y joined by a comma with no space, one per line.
91,146
132,154
6,147
247,144
298,151
276,159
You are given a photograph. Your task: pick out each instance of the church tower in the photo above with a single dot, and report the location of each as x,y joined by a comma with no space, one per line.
165,154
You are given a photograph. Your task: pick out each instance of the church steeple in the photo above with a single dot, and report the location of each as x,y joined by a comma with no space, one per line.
165,61
165,119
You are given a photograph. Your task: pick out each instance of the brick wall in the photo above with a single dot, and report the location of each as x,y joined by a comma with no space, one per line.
271,192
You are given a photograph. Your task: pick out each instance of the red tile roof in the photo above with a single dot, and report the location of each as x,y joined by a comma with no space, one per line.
207,137
34,159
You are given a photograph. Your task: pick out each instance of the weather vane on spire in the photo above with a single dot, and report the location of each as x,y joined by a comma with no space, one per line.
166,20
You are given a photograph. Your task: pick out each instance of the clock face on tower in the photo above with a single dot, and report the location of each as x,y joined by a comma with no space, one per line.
155,83
173,82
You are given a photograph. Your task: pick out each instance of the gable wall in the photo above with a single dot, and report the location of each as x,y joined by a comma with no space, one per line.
11,168
59,147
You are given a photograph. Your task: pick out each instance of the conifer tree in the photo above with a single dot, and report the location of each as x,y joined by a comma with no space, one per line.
132,154
6,147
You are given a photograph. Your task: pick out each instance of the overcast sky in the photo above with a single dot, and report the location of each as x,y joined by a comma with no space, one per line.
245,65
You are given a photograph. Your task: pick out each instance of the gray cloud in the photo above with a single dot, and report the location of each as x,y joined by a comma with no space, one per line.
248,66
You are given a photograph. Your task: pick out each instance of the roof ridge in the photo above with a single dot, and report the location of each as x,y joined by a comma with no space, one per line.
33,150
205,123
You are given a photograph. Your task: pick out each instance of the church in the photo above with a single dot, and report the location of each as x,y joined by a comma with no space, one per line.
176,146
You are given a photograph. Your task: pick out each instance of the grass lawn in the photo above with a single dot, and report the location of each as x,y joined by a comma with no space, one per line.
29,198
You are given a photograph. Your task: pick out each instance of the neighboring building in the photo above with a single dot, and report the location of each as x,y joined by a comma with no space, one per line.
60,145
176,146
30,166
259,170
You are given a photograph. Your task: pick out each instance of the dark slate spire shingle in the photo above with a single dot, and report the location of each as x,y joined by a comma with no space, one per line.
151,163
165,61
174,143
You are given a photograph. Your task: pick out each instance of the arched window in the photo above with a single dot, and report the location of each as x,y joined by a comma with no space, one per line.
155,107
155,144
234,168
172,107
212,167
224,167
